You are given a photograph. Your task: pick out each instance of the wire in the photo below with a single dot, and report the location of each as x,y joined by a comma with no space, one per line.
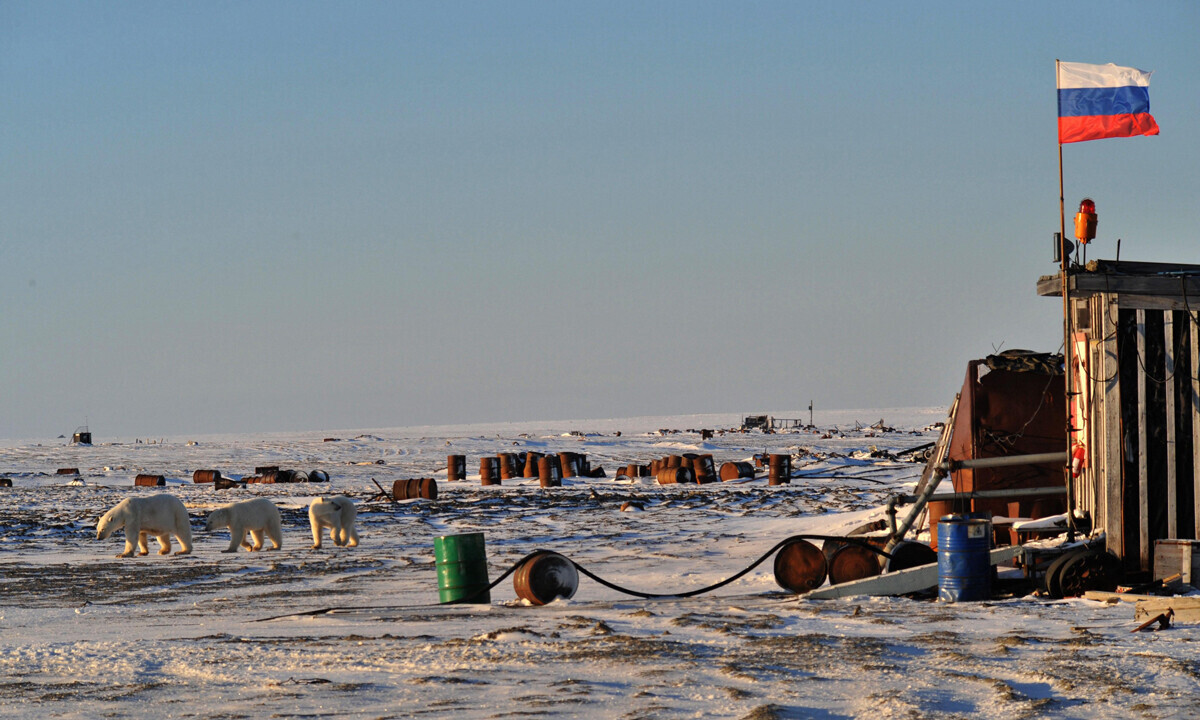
610,585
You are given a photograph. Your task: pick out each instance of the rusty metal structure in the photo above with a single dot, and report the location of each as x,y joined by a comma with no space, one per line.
1134,359
1011,404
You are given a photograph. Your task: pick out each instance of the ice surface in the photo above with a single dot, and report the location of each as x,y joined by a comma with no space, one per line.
87,635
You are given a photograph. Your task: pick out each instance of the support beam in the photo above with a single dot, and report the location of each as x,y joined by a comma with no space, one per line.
1143,447
1169,374
1110,470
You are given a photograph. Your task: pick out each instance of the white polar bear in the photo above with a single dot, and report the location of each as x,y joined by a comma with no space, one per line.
337,514
253,516
159,515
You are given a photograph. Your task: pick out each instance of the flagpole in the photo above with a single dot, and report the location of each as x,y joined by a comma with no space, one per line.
1064,261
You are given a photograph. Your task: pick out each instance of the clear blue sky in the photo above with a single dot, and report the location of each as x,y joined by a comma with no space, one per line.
257,216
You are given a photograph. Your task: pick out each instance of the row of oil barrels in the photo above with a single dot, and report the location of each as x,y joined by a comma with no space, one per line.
694,468
800,566
549,469
263,475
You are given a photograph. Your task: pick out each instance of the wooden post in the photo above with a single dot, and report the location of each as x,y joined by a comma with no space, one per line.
1194,332
1169,389
1143,446
1112,468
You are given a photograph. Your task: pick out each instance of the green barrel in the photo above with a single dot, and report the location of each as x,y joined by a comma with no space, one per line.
462,569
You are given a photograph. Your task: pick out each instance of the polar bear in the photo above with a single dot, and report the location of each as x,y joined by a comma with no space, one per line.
337,514
159,515
256,517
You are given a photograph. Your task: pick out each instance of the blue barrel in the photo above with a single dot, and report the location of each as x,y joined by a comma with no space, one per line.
964,564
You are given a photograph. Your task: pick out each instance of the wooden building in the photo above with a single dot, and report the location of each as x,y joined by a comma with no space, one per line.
1134,361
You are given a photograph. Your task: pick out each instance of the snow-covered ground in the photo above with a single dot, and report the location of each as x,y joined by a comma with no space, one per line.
88,635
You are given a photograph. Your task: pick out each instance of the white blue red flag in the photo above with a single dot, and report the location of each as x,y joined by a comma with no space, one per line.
1103,101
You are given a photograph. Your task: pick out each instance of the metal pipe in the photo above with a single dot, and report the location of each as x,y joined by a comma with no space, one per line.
1007,461
979,494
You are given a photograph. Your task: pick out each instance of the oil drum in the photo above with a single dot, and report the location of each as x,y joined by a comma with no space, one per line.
546,577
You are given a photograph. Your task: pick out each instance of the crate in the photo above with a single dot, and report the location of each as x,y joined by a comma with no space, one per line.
1177,556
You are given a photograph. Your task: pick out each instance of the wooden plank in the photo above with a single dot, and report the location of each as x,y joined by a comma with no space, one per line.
1111,471
1169,389
1105,596
1166,287
901,582
1187,609
1194,333
1143,470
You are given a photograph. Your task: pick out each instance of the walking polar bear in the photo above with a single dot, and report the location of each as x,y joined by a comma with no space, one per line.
256,517
337,514
159,515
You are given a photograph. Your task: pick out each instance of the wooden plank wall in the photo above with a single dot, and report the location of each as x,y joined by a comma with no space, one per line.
1143,480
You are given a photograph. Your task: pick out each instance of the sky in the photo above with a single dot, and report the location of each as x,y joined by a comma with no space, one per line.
272,216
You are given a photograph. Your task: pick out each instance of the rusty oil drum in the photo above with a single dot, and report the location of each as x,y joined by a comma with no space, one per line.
569,462
206,476
736,471
852,562
456,467
549,471
545,577
780,470
676,476
414,488
507,465
489,470
705,469
531,464
149,480
800,567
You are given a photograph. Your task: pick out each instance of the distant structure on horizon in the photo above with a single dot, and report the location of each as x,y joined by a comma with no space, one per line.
82,436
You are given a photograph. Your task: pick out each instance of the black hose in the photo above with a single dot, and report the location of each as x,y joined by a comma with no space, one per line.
610,585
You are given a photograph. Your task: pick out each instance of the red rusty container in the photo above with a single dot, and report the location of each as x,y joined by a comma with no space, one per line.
676,476
737,471
318,476
705,469
68,471
507,463
531,464
545,577
780,470
425,488
569,462
149,481
853,562
456,467
549,471
760,460
225,484
489,470
279,476
800,566
206,476
672,461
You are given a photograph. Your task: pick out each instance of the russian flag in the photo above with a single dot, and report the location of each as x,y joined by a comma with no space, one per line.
1103,101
